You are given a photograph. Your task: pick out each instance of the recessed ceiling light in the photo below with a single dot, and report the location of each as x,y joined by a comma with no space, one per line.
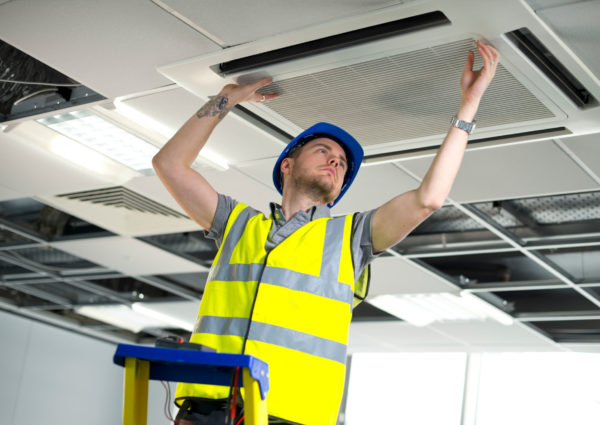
105,137
121,316
424,309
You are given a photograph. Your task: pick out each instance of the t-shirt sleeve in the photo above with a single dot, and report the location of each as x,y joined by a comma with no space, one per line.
362,241
225,206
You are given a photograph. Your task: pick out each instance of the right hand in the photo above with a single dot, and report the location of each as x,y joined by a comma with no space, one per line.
238,93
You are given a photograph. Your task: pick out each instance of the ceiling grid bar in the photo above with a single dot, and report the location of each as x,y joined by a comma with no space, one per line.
503,234
577,160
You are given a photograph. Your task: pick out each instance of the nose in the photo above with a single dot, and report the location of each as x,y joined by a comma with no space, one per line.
335,161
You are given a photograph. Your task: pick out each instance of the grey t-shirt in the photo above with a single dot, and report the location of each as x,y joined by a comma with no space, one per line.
362,246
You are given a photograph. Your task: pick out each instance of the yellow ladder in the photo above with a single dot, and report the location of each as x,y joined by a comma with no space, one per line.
167,364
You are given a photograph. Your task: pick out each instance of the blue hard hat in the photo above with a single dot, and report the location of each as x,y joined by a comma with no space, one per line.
354,152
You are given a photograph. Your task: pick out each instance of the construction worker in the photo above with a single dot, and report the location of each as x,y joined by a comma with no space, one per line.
282,287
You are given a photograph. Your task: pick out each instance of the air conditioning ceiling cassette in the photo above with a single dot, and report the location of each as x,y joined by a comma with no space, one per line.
393,94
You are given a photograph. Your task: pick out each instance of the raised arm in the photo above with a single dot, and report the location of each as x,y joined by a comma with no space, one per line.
173,162
395,219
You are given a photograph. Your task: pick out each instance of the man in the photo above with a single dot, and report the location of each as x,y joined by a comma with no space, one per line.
281,287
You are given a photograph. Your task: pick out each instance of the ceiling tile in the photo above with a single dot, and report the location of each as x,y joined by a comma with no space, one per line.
505,172
235,139
128,256
396,275
587,149
6,193
374,185
247,190
73,37
30,170
252,20
577,25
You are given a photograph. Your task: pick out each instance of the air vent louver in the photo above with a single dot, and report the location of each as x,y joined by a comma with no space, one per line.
401,97
122,197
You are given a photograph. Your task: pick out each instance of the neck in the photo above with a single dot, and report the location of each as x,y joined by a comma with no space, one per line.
290,205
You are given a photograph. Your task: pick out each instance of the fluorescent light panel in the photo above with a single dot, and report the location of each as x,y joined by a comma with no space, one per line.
104,137
157,312
424,309
121,316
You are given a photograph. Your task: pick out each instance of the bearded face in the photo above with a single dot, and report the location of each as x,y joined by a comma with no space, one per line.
316,170
317,188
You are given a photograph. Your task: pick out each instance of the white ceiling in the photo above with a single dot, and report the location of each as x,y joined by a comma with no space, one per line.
115,48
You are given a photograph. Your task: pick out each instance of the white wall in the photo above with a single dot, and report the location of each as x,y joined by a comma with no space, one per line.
53,376
499,389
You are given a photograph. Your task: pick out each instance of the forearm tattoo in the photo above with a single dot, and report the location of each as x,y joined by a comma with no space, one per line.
218,105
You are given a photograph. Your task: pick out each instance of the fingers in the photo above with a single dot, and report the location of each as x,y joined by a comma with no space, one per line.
259,97
470,62
262,83
266,97
489,55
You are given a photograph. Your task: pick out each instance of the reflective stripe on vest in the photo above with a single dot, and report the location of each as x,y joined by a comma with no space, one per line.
275,335
300,316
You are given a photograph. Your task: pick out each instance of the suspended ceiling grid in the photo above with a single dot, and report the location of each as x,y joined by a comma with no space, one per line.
534,258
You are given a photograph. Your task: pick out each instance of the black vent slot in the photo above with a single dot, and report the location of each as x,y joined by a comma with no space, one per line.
533,48
506,138
334,42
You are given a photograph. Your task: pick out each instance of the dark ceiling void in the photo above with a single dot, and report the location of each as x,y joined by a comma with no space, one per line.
27,219
365,312
537,259
570,331
471,271
546,302
193,246
29,87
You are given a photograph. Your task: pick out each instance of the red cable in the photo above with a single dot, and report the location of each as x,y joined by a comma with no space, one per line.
233,401
240,421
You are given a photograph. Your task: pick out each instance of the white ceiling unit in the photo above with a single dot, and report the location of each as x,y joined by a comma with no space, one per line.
391,78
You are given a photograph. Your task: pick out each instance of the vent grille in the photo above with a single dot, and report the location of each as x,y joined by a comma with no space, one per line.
401,97
121,197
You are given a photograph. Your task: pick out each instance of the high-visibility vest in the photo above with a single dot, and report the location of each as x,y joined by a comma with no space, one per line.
299,299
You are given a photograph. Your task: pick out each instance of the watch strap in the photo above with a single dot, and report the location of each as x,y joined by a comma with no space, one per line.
463,125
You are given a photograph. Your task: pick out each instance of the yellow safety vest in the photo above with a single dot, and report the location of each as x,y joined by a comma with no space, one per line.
299,297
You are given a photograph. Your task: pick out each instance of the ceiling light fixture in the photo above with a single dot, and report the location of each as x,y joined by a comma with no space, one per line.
424,309
105,137
147,310
121,316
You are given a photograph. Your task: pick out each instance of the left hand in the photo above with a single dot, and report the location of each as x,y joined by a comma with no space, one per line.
474,83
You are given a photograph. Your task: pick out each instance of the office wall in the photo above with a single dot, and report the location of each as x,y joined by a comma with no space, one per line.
53,376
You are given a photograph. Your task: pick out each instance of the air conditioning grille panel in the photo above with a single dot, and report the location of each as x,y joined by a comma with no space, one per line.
401,97
121,197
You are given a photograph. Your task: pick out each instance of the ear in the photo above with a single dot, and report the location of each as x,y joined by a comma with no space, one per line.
286,166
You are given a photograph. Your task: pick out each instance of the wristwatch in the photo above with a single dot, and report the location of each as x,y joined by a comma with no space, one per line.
463,125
